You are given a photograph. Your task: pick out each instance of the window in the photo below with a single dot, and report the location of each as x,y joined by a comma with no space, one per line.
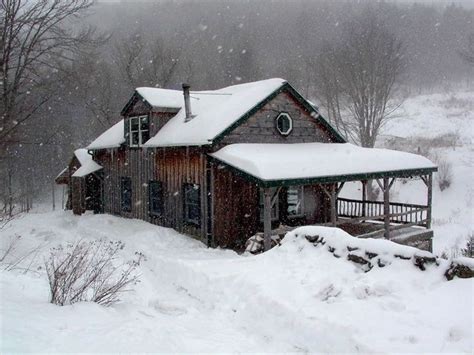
139,130
284,124
155,192
275,208
192,204
295,200
126,194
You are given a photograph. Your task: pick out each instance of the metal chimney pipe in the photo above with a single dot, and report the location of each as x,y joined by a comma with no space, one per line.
187,102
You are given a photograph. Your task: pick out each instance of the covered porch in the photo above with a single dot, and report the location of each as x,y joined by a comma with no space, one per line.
329,166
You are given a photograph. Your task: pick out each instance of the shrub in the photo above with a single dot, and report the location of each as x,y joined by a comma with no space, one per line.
86,271
444,175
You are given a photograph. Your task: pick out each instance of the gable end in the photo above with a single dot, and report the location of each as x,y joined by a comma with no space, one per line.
304,105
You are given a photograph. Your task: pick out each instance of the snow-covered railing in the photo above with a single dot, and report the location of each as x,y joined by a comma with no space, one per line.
403,213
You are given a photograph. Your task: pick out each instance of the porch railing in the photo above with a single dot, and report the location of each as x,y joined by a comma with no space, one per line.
403,213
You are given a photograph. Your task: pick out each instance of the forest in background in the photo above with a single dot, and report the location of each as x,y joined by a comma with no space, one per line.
211,44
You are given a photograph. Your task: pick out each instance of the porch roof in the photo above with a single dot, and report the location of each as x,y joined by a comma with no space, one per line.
88,165
303,163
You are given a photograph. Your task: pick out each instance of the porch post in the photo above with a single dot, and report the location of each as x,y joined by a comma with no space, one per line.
267,219
430,200
386,207
364,197
333,205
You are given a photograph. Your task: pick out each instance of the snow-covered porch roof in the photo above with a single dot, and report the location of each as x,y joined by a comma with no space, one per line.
88,165
304,163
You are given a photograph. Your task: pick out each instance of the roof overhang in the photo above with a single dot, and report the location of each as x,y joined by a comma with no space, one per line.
243,167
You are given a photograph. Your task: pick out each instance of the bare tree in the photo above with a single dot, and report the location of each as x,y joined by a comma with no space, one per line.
34,39
360,74
144,62
468,53
93,80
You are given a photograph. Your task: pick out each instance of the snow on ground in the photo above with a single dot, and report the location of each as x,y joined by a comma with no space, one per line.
295,298
424,119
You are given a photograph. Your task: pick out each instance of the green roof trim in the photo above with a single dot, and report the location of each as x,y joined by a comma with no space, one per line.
338,137
284,87
405,173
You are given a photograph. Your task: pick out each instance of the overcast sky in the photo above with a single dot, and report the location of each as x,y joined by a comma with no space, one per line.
466,3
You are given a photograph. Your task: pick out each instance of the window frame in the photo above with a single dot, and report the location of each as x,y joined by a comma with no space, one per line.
300,188
123,206
186,218
140,131
290,121
159,198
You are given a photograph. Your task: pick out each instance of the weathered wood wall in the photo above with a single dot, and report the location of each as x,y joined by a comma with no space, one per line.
173,167
261,128
235,209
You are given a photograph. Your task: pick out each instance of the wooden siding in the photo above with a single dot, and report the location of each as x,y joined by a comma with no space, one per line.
137,164
158,120
235,209
173,167
261,128
138,108
176,167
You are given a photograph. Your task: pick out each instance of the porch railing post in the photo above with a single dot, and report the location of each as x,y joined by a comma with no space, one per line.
333,205
267,219
386,207
430,200
364,198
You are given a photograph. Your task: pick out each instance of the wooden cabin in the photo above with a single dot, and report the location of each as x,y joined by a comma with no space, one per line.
226,164
83,179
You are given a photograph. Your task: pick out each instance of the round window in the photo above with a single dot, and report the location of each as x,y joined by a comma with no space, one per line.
284,124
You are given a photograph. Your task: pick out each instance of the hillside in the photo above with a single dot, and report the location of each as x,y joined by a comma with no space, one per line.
439,126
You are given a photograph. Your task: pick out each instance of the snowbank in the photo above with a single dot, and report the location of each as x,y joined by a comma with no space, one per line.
370,253
294,298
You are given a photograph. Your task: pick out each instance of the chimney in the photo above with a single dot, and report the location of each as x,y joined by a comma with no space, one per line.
187,103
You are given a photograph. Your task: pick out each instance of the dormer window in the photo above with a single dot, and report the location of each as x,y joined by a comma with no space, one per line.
284,124
139,130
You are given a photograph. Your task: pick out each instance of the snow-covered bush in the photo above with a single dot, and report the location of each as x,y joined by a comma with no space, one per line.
88,271
444,177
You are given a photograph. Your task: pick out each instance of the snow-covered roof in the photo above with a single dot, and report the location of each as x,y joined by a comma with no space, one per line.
268,162
164,98
111,138
88,165
213,111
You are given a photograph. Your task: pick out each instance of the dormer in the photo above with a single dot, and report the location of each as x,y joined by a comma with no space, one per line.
147,111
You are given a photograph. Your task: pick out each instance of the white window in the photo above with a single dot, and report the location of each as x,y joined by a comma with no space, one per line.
139,130
284,124
275,208
295,201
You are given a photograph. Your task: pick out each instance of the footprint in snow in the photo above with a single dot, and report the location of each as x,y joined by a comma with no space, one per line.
168,309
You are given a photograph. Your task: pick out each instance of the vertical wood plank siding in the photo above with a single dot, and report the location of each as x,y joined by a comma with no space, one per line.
236,209
173,167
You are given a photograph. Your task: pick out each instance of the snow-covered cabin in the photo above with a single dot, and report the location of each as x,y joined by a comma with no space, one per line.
223,165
